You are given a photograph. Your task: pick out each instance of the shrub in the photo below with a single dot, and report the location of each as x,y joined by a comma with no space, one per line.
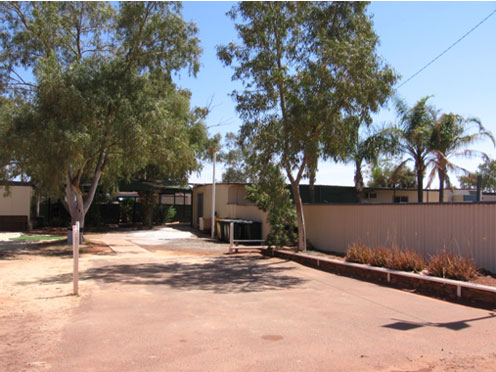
380,256
448,265
163,213
171,214
405,260
358,252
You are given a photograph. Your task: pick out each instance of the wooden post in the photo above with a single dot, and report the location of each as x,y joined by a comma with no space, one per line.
231,237
75,255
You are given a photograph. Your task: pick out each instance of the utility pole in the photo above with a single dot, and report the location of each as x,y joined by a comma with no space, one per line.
213,150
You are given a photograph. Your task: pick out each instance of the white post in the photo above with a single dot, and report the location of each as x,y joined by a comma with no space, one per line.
213,192
75,255
231,237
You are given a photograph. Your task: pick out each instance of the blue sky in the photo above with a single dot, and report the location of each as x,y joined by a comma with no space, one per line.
462,81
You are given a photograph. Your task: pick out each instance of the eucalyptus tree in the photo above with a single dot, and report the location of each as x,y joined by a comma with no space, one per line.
450,137
236,168
91,94
487,171
308,69
386,174
414,130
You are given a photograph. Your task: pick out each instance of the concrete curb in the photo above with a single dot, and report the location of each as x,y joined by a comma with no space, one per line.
447,289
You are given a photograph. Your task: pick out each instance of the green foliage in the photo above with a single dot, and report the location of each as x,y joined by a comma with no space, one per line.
23,237
163,214
367,147
127,206
450,137
234,160
102,105
414,131
487,170
433,140
271,195
309,70
386,174
451,266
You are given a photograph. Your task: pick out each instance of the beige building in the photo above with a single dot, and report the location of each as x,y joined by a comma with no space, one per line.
15,206
230,202
386,195
391,217
400,196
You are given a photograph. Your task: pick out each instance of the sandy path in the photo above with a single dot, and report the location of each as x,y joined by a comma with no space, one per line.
33,309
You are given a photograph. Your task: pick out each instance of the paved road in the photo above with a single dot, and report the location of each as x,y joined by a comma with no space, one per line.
187,312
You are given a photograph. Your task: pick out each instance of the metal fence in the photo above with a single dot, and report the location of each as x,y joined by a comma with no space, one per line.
463,228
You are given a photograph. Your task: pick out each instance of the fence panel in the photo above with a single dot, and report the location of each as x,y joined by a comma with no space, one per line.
464,228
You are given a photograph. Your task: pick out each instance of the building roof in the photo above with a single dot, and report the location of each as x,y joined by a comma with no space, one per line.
15,183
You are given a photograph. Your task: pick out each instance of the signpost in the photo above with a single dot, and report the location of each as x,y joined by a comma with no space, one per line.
213,150
75,256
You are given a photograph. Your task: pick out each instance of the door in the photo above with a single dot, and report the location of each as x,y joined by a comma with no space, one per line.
199,206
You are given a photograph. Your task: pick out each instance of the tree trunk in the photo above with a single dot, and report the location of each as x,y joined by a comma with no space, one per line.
148,199
302,235
358,181
440,175
420,185
74,203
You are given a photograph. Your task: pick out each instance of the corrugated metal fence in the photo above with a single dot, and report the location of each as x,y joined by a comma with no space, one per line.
464,228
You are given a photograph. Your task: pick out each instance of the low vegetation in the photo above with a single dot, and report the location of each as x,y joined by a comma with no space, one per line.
359,253
451,266
23,237
444,264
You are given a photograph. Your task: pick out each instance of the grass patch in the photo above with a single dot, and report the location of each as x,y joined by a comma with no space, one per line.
37,237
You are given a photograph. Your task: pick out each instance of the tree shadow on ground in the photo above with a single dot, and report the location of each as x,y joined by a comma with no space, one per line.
17,249
220,275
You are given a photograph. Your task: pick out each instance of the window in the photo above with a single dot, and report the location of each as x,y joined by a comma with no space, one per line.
370,195
401,199
178,198
167,199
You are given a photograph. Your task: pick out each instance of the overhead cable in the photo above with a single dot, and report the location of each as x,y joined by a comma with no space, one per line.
447,49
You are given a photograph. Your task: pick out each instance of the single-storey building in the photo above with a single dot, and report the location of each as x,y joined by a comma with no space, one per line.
231,200
15,206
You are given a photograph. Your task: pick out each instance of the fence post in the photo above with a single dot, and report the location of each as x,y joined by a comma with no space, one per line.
231,236
75,255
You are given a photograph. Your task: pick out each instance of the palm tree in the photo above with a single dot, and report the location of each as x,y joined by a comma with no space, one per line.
415,131
367,147
450,136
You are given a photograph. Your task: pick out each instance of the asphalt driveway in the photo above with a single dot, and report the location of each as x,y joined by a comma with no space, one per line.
148,310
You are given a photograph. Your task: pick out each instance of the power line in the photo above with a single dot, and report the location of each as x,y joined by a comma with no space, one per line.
447,49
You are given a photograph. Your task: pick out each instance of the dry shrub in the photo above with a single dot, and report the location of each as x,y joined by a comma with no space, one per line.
380,256
358,252
452,266
392,258
405,260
